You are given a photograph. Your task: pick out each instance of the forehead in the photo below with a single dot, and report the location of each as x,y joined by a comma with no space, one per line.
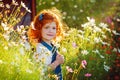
50,24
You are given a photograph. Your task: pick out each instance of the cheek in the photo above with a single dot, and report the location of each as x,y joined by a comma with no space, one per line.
42,32
55,32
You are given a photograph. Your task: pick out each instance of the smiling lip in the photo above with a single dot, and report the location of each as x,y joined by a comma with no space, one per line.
50,35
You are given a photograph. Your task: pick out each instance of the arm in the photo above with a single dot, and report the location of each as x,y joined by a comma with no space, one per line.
59,60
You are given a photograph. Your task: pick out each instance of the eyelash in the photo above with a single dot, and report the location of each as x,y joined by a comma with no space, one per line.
48,27
54,27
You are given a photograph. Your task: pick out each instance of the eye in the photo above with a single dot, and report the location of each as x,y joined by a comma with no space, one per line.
54,27
46,27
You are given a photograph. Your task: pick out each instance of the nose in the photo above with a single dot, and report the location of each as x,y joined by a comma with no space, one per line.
50,30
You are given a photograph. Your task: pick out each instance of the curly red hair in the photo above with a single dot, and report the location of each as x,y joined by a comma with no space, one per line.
34,32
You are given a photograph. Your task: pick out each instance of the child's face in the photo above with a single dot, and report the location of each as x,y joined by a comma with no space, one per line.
49,31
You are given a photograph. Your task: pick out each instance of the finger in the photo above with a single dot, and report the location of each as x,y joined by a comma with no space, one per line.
58,55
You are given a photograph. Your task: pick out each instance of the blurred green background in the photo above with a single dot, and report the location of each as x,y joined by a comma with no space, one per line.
75,11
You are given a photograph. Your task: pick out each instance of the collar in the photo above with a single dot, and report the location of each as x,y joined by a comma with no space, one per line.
50,48
46,45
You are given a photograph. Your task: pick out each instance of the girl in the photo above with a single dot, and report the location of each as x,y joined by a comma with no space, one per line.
46,27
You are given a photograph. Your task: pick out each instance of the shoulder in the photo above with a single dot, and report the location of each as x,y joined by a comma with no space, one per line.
39,47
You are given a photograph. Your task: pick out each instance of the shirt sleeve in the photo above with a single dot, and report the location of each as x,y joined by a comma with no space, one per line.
37,53
42,55
38,49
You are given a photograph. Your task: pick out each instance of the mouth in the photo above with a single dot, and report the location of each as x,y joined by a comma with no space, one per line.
50,34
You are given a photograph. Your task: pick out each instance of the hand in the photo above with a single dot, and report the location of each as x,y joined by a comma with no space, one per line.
60,59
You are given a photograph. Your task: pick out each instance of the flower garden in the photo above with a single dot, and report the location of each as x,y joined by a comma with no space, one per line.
92,52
